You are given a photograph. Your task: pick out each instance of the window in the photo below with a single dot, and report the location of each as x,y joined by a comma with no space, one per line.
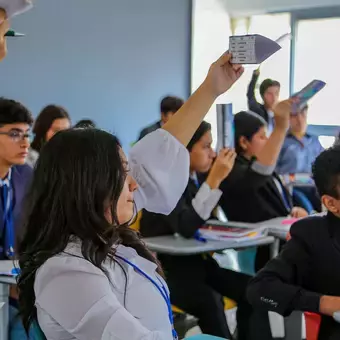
317,57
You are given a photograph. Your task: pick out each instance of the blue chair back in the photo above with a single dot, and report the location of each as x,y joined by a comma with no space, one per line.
36,332
302,200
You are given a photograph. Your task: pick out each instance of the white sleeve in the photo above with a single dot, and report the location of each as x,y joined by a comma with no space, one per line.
206,201
160,165
14,7
87,311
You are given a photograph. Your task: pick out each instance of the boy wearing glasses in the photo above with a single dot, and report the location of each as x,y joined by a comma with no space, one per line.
15,176
305,276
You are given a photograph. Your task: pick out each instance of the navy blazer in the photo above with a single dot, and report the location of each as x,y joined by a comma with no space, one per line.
20,180
149,129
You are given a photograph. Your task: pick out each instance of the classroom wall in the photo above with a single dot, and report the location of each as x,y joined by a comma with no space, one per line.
109,60
243,7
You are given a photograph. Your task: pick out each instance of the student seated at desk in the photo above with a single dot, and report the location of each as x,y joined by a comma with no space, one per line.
305,276
300,148
197,283
84,273
253,192
15,176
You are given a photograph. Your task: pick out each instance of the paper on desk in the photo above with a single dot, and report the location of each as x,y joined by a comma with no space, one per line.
306,94
15,7
251,49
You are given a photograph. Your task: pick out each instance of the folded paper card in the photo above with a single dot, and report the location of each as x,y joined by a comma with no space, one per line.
303,96
15,7
251,49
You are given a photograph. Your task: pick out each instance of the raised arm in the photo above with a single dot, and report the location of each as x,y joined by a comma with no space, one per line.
269,154
160,162
188,217
221,76
253,104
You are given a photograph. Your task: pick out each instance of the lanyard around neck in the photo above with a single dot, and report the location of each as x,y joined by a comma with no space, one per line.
160,287
8,225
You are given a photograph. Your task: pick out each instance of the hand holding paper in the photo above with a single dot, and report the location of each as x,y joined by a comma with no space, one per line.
222,75
251,49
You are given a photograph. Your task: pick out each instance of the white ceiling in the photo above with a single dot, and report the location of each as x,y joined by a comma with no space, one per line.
244,7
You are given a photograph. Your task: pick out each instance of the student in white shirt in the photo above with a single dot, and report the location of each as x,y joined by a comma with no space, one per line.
84,274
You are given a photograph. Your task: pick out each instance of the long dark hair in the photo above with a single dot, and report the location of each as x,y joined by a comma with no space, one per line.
200,132
246,124
78,172
43,123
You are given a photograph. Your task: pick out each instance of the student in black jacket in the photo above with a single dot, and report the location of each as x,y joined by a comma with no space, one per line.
197,283
306,276
253,192
270,92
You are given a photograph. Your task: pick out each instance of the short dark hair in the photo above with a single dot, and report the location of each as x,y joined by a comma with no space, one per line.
12,112
171,104
202,129
85,123
266,84
246,124
43,123
326,172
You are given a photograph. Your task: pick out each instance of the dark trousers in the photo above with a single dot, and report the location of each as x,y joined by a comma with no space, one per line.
200,292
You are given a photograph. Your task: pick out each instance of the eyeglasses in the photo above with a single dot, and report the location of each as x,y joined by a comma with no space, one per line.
17,135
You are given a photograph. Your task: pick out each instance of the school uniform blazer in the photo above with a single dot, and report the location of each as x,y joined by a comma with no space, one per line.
76,300
251,193
191,212
20,180
149,129
307,268
253,104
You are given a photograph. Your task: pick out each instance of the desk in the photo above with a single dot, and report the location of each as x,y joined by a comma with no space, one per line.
5,281
176,245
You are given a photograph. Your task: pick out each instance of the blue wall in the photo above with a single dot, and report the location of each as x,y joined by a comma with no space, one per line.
110,60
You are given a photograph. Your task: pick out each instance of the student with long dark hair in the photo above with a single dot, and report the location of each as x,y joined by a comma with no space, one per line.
254,192
50,120
84,273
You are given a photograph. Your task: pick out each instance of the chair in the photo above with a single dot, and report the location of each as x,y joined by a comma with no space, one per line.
301,200
36,332
312,325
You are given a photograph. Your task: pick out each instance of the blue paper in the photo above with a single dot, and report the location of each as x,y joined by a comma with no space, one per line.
306,94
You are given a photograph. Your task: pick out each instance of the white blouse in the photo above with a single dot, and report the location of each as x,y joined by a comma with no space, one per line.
75,300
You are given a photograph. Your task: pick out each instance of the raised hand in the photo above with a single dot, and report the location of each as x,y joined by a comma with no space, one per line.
221,168
222,74
282,112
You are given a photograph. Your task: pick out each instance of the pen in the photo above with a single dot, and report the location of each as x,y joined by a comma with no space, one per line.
198,237
12,33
